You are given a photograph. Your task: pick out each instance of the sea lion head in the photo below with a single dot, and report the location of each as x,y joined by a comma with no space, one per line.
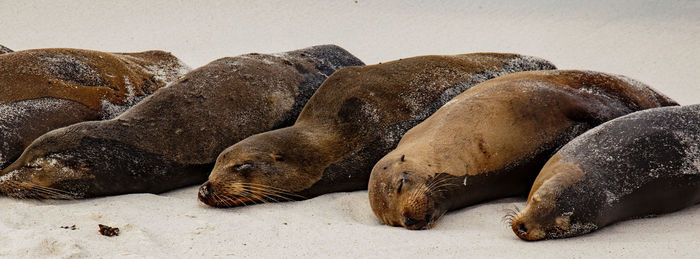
546,215
252,171
405,192
41,173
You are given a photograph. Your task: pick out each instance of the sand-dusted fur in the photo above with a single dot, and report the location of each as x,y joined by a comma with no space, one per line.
646,163
490,141
172,138
45,89
4,50
356,117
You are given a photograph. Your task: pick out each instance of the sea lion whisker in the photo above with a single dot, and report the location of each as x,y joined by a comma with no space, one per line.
511,214
258,196
273,192
53,192
438,181
217,199
271,188
267,196
227,201
266,186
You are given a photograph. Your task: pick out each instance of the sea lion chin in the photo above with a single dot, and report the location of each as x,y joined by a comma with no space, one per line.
490,141
356,116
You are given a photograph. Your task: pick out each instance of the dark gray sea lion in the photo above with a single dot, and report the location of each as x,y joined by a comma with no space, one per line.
172,138
357,116
4,50
646,163
490,141
45,89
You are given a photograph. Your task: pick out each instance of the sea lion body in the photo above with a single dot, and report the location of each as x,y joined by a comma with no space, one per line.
172,138
490,141
646,163
45,89
356,116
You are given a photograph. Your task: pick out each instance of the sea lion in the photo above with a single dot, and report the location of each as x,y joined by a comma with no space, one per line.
45,89
356,116
4,50
171,139
642,164
490,141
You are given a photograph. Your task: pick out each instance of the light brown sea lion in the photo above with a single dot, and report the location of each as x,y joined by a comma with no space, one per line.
172,138
490,141
45,89
642,164
356,116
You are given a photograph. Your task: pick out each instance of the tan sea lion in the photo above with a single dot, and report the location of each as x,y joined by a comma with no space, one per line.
646,163
490,141
172,138
356,116
45,89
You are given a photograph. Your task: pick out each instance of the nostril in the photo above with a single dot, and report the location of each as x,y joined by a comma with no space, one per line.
205,190
522,228
410,222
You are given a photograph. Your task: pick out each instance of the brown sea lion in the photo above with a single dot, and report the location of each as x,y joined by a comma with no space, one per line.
4,50
356,116
45,89
490,141
172,138
642,164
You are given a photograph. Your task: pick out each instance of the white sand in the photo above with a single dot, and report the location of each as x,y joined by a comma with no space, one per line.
656,42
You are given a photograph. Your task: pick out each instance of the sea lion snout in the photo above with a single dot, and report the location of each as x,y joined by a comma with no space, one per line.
204,192
414,224
400,193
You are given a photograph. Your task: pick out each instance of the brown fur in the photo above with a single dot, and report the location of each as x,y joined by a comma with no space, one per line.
172,138
45,89
356,116
495,137
639,165
32,74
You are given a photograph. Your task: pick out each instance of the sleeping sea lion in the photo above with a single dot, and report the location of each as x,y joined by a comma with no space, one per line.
642,164
45,89
172,138
490,141
356,117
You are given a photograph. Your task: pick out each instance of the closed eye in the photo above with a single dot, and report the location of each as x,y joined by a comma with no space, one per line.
404,179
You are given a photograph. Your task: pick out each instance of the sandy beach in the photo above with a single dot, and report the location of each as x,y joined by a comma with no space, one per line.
655,42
